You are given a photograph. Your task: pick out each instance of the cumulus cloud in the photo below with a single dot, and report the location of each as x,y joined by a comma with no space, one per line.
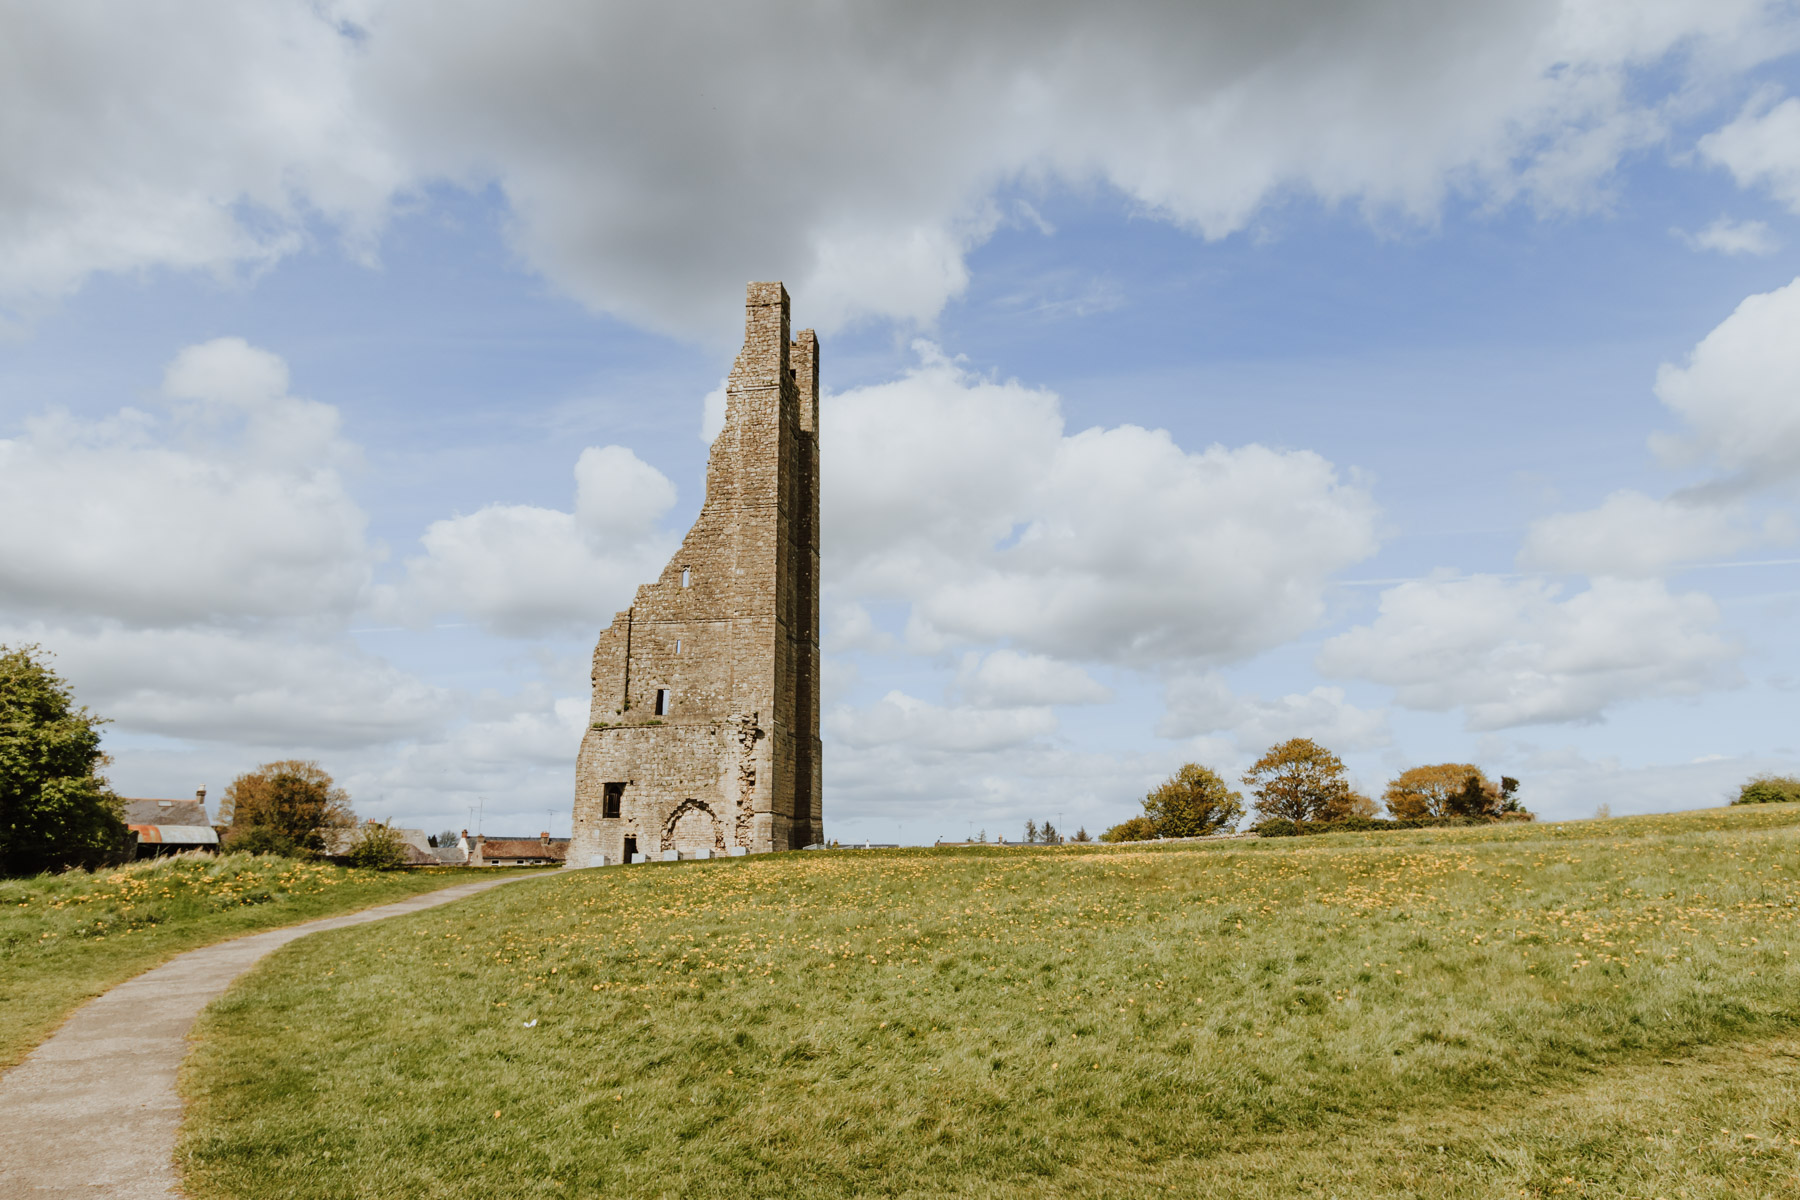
1631,535
232,505
1006,679
239,686
652,162
187,135
1739,393
1517,652
1761,148
523,571
965,500
898,718
1203,704
1725,236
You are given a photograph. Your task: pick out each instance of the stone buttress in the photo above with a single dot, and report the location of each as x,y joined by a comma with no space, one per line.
704,729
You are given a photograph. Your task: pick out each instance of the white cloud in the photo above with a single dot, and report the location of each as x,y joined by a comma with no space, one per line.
898,718
1562,783
231,507
521,570
190,135
1516,652
1007,679
653,162
1634,536
1740,391
1762,147
1203,704
965,500
249,687
1725,236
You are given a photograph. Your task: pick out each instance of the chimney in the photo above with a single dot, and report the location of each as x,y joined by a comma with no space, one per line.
544,837
200,795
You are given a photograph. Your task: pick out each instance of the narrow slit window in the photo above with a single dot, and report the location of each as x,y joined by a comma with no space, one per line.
612,799
687,577
678,645
662,702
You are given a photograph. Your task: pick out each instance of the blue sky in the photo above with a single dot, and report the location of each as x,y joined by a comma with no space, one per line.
1428,386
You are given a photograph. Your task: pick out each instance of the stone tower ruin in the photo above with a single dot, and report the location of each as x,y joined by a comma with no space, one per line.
703,737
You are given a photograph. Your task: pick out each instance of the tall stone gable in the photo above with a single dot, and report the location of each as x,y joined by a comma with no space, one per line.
704,729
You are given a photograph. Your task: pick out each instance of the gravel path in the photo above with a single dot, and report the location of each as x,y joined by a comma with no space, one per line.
93,1111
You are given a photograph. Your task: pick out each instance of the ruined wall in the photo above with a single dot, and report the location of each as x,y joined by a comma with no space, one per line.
728,636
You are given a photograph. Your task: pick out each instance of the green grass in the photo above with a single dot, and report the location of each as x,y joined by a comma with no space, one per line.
1598,1008
64,939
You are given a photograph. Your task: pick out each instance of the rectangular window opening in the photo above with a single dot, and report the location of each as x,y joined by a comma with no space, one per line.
630,848
613,797
662,702
678,645
687,577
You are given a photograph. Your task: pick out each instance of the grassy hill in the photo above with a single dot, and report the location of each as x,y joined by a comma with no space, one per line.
1600,1008
66,938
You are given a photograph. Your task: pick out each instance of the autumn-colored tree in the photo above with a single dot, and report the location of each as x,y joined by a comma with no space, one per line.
295,799
1300,780
1193,802
1442,790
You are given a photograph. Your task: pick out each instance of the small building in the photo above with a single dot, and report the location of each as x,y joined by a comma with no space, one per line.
170,826
415,843
543,851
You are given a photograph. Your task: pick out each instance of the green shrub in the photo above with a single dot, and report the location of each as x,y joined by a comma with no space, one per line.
378,849
1770,789
1136,829
1276,827
261,839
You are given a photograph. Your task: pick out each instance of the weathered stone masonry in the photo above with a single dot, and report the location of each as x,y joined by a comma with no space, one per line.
704,733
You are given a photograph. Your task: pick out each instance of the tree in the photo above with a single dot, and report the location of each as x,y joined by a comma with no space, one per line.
56,811
1134,829
377,848
1193,802
1769,789
1300,780
1031,832
1047,834
295,799
1445,790
1082,835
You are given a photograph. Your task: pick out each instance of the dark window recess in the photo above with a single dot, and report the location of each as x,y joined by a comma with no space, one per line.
662,702
615,792
630,848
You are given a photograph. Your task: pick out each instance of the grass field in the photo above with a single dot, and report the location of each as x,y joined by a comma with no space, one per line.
1599,1008
64,939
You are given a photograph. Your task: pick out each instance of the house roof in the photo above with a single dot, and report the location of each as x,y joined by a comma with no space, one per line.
524,848
165,812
